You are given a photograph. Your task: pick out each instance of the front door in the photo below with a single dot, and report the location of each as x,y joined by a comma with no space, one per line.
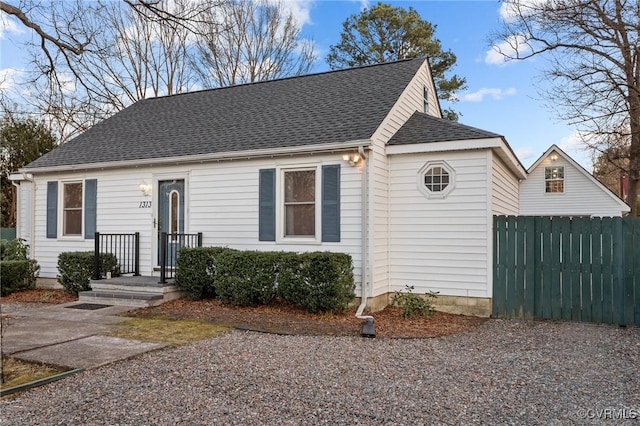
170,216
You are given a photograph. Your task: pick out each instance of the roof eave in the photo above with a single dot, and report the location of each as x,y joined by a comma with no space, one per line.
201,158
496,143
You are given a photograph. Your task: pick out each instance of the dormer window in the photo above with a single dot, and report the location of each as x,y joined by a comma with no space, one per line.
425,100
554,179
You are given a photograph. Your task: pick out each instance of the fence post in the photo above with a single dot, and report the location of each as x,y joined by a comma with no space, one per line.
199,239
136,259
96,256
163,258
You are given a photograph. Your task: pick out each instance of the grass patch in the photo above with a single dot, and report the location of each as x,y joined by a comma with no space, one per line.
164,330
18,372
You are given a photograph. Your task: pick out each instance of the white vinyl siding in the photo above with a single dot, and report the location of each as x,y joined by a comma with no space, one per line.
504,185
410,101
221,201
118,211
581,196
224,206
441,244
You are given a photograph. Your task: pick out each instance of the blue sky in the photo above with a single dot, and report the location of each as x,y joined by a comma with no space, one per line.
500,97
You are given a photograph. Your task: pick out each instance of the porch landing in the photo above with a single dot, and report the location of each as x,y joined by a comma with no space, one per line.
130,291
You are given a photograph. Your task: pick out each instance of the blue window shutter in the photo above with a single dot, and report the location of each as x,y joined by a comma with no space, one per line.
52,209
331,203
90,207
267,205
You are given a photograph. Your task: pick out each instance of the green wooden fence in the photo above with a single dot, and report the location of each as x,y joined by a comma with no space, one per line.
578,269
7,233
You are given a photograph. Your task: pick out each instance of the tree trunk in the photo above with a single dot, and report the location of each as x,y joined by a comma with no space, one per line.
634,150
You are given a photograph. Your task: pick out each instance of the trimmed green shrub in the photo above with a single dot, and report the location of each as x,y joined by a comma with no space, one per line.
317,281
18,275
246,278
76,269
18,272
195,271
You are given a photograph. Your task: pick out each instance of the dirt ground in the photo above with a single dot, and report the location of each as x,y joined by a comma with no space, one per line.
283,318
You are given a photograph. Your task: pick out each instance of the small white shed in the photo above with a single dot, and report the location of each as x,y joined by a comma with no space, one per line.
557,185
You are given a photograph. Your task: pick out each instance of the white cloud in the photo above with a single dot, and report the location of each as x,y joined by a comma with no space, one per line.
509,9
524,153
573,143
9,78
9,26
512,47
299,9
495,93
364,4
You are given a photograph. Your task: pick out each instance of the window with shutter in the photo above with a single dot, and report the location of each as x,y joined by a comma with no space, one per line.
299,205
73,210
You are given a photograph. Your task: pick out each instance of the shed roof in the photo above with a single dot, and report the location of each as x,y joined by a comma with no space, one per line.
324,108
424,128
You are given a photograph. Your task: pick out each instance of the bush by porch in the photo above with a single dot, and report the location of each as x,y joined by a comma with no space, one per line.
317,281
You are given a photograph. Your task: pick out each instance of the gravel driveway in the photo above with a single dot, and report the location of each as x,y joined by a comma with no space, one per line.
504,372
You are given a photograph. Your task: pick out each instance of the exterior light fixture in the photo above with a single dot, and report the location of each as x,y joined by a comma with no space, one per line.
553,156
145,188
352,159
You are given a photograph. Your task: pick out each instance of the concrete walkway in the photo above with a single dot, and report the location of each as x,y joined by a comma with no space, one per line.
68,336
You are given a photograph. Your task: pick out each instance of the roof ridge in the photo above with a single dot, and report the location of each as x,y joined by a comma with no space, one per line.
293,77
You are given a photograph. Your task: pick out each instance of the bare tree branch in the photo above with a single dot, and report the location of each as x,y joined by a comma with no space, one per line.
12,10
250,40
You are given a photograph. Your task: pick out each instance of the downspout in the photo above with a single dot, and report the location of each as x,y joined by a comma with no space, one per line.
18,198
28,178
368,329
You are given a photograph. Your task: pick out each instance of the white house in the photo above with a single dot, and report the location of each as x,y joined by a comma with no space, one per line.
558,186
356,161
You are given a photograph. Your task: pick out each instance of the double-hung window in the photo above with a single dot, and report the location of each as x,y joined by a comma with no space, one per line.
554,179
72,209
299,203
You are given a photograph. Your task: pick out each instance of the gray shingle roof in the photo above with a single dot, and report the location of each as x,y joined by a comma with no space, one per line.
329,107
423,128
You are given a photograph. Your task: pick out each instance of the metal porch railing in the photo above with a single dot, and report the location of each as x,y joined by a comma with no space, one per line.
126,249
169,245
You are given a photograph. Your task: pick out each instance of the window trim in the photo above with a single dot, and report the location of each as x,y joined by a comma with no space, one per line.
61,210
564,185
426,191
281,238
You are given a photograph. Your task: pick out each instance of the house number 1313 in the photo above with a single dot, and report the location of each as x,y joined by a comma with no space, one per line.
145,205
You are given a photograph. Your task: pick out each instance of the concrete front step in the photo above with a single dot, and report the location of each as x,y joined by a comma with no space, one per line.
110,285
130,291
121,298
131,283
